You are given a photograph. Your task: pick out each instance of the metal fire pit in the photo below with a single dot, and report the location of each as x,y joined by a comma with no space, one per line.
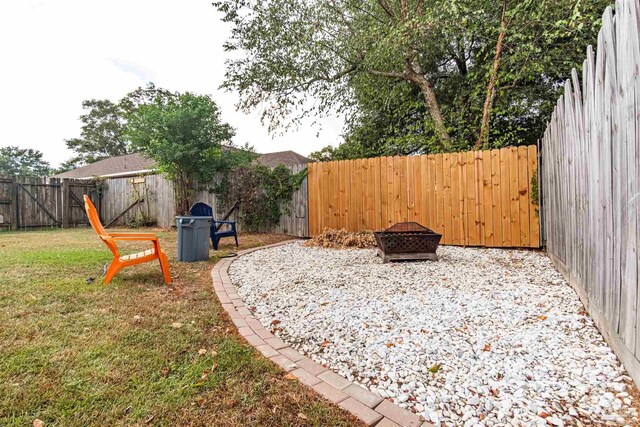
407,241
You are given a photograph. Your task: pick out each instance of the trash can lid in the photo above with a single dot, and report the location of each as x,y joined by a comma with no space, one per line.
193,217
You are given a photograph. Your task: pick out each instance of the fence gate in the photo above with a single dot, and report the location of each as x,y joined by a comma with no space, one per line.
31,202
6,202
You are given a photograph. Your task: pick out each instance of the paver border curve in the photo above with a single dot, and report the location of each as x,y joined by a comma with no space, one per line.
370,408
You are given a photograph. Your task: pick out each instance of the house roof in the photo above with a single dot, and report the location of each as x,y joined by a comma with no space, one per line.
127,165
136,164
287,158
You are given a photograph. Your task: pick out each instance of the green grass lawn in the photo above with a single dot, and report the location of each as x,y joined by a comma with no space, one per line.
74,353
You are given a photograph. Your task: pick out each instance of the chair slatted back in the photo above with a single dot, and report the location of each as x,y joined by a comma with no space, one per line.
94,219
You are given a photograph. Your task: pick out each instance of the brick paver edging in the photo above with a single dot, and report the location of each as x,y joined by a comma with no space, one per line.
367,406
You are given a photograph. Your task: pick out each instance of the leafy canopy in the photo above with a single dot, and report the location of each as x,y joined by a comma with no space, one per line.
103,132
184,135
22,161
409,75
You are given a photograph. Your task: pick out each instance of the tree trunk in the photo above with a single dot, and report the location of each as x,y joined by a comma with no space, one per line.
434,110
493,78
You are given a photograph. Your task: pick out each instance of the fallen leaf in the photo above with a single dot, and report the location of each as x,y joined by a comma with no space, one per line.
390,344
38,423
275,322
325,343
324,303
494,392
137,318
302,416
542,317
176,325
543,415
202,351
487,347
290,377
435,368
214,353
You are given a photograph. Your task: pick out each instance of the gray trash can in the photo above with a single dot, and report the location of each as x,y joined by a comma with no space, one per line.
193,238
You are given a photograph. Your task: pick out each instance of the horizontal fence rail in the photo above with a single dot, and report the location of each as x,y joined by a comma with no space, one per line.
591,176
475,198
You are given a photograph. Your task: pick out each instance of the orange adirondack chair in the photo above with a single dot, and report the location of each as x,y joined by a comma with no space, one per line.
121,261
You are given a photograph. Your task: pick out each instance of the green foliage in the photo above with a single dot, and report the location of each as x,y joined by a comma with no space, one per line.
184,135
22,161
104,125
373,61
535,192
261,192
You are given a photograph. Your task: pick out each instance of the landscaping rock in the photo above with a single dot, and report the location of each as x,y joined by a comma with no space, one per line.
483,334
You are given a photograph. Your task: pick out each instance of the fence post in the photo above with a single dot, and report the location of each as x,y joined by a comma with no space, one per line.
14,204
66,203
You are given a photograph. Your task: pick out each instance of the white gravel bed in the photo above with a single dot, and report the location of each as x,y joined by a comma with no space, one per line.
483,337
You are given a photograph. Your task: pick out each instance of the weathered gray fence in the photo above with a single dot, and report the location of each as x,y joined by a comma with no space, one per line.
29,202
590,182
127,201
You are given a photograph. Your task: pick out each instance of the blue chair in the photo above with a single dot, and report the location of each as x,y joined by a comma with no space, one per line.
202,209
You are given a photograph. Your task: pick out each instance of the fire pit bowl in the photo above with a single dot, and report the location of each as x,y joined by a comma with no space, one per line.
407,241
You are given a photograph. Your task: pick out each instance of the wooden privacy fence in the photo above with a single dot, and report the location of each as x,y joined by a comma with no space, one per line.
591,176
475,198
29,202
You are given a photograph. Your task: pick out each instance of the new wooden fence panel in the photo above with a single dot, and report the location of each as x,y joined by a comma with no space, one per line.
446,193
475,198
590,182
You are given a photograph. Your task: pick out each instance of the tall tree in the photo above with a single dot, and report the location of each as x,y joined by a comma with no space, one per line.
184,135
103,132
300,49
22,161
470,72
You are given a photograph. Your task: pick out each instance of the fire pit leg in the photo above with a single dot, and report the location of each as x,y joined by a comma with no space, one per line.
385,258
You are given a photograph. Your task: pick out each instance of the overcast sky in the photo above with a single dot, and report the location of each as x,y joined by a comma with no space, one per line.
56,53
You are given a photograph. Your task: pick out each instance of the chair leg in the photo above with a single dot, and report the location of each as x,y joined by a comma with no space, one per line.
164,266
236,236
113,269
215,241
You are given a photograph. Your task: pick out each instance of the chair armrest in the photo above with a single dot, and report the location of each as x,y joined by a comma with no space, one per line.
131,235
139,238
224,222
